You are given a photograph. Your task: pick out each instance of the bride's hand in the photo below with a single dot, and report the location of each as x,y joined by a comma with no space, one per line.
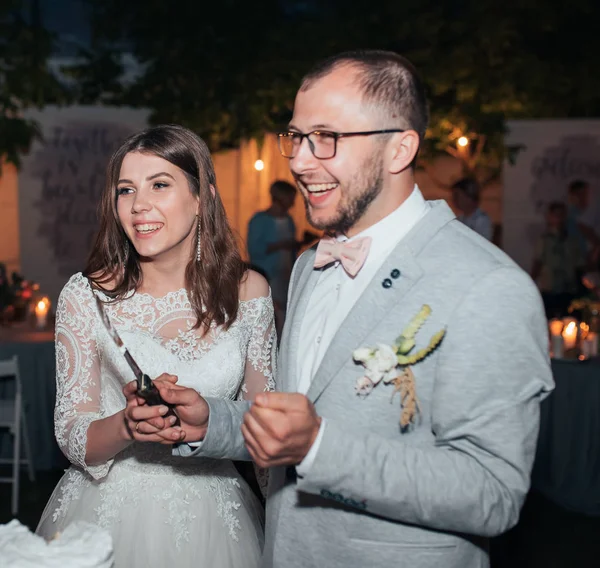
143,422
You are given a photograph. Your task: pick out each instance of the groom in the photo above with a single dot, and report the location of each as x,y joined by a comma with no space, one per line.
373,463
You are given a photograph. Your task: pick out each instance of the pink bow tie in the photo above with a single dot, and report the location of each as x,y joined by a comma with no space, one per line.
351,254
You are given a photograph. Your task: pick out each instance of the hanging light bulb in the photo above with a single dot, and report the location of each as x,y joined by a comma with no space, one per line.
259,165
463,141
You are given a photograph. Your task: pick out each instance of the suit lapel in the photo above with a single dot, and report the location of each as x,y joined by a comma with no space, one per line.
301,294
377,300
372,306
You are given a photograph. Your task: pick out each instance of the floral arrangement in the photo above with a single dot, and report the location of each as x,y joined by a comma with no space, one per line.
392,365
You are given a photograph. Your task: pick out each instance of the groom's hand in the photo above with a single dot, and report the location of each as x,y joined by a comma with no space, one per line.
280,428
191,408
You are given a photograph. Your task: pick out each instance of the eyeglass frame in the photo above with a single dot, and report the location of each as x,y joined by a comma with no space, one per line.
336,136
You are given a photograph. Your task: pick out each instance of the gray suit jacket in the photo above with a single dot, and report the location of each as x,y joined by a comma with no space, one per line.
429,497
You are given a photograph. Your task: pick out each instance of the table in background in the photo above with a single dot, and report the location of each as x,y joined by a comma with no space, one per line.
567,465
37,366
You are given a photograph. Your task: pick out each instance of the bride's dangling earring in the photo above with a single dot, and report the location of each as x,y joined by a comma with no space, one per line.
198,251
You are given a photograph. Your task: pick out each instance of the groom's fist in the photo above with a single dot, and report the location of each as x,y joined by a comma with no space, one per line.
193,412
280,428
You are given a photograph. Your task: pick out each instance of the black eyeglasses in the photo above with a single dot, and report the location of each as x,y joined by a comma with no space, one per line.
322,143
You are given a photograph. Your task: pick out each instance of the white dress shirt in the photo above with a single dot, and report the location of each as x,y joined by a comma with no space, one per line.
336,293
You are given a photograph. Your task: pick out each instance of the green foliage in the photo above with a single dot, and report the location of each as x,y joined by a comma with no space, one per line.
229,70
25,80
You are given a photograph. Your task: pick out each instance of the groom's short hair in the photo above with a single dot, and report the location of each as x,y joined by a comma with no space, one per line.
387,79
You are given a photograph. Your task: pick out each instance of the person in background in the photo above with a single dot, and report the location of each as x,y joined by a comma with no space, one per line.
272,245
558,262
580,217
465,194
591,279
6,294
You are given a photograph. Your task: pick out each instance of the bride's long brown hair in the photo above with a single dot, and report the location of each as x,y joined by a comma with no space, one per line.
213,283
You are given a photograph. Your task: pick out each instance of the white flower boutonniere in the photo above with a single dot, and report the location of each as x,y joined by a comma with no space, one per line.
391,363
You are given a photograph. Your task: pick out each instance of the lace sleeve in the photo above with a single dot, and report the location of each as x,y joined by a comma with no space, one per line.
260,363
262,349
77,374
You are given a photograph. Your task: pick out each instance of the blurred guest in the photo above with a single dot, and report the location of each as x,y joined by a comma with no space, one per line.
465,194
272,245
591,279
580,217
17,281
558,262
6,294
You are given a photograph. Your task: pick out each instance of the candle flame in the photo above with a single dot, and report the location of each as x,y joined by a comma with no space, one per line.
585,328
556,326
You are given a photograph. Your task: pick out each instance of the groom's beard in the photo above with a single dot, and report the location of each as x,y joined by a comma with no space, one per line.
368,183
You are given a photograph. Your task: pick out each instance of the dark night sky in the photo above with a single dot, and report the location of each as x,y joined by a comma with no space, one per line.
68,19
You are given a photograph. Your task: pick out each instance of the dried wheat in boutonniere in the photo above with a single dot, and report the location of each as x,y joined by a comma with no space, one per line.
392,364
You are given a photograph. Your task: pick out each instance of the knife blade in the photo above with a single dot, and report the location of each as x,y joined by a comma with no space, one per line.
145,387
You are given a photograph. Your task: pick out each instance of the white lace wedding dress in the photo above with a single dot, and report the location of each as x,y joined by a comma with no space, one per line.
161,510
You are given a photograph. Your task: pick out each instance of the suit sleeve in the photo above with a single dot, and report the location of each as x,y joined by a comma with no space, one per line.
224,438
492,372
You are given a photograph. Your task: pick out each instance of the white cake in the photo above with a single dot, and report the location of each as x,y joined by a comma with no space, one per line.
81,545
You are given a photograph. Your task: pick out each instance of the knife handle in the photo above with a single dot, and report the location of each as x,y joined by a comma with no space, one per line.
152,397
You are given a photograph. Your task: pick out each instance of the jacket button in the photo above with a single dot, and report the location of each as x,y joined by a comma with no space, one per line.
387,283
395,273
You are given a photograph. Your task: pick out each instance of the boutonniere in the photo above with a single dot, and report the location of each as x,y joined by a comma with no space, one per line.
392,365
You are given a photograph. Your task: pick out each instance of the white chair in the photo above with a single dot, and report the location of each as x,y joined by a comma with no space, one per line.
12,416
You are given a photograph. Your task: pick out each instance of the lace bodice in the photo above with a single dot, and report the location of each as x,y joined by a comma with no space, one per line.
233,363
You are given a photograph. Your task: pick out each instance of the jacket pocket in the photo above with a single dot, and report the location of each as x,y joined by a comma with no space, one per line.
371,530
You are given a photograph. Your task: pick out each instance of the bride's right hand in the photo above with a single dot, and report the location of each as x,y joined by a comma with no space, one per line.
142,421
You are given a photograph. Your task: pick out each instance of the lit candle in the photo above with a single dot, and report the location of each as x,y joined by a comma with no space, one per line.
41,313
589,346
570,335
556,326
556,341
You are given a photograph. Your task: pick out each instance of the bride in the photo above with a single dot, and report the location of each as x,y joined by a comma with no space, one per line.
166,266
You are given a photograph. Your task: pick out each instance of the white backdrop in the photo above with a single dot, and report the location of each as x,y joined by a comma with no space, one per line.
60,185
555,153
